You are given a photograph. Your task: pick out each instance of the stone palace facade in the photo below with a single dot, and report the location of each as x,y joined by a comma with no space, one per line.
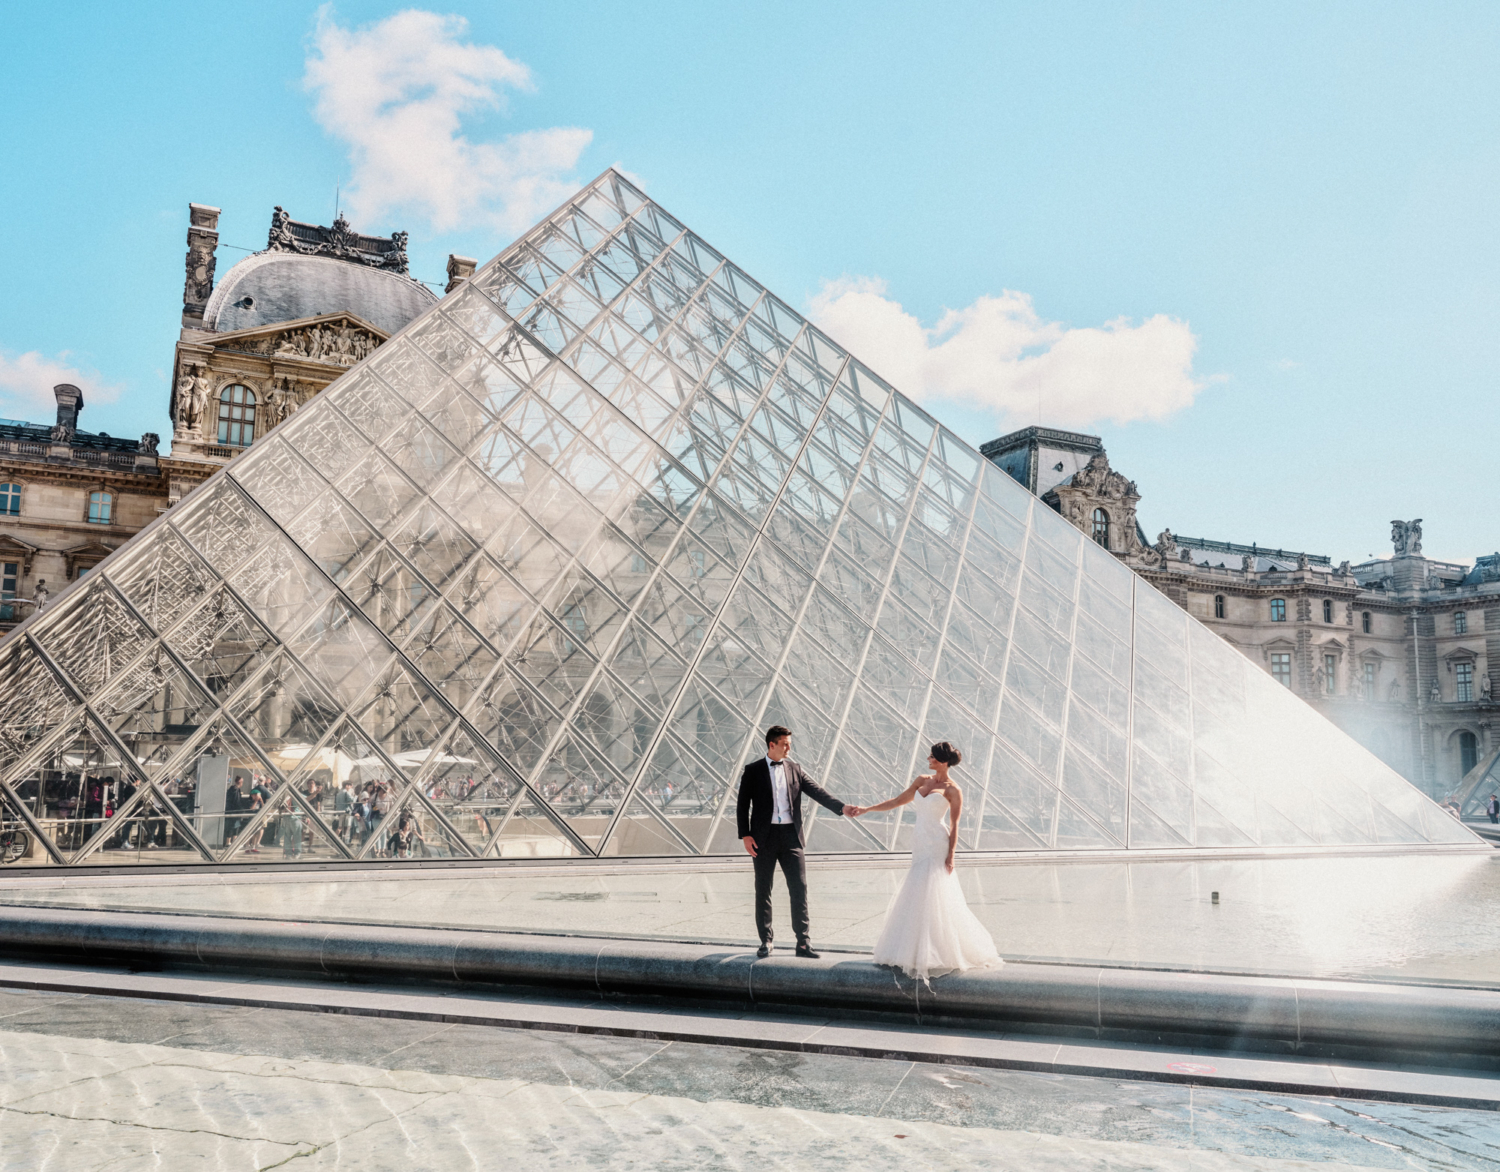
1397,651
282,324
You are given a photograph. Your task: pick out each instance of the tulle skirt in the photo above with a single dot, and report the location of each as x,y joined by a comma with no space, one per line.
929,929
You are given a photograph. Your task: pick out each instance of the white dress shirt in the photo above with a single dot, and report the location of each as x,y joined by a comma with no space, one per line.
779,791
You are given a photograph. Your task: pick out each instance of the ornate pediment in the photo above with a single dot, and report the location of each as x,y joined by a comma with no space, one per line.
333,339
85,554
13,549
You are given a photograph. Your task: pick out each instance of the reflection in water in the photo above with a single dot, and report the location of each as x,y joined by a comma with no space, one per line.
1406,917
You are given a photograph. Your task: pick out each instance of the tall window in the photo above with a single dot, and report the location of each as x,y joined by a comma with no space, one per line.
1465,690
10,500
1278,610
1218,606
100,505
236,416
1281,667
638,564
1460,623
1369,681
10,576
1330,672
1328,610
1468,752
1101,527
1364,622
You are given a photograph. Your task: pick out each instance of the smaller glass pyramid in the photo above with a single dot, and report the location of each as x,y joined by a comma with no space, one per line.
531,580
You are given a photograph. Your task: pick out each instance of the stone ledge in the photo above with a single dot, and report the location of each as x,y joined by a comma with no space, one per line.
1339,1019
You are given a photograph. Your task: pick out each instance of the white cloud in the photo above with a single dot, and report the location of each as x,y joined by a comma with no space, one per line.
26,382
1000,355
397,92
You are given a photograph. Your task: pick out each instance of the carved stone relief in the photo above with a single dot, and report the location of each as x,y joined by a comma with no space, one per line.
337,345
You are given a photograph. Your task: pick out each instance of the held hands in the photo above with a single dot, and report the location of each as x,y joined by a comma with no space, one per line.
852,811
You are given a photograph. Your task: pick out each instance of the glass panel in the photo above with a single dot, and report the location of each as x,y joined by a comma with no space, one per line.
164,579
284,706
470,788
643,827
342,649
281,586
153,707
222,524
532,832
34,702
328,442
95,638
222,644
370,404
277,479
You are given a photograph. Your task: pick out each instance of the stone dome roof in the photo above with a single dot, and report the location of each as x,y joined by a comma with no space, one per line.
271,287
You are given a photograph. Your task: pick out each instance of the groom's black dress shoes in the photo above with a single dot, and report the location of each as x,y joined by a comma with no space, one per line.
763,951
806,953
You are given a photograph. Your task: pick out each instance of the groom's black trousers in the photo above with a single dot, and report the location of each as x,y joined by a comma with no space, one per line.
780,844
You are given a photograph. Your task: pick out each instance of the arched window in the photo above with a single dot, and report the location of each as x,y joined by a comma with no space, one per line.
1101,527
1278,610
1460,623
100,506
1468,752
1218,606
236,416
10,500
1365,622
1327,610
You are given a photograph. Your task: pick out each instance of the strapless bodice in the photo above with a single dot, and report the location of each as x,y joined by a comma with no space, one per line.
930,832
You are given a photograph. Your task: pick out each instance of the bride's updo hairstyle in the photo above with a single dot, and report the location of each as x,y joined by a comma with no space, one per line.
946,753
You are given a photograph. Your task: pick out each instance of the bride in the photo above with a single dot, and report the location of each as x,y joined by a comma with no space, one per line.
929,929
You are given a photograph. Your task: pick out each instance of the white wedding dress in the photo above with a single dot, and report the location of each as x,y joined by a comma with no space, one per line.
929,929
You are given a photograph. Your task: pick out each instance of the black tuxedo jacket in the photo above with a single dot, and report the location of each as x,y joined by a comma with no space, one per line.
757,804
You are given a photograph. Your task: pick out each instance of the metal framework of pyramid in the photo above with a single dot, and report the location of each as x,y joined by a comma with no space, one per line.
542,568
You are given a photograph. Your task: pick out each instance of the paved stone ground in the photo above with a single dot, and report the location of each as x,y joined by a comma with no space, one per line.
1400,917
124,1084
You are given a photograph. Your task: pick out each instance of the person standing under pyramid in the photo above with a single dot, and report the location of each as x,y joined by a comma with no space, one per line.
770,824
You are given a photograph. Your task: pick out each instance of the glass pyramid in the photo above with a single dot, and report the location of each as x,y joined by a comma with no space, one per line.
531,580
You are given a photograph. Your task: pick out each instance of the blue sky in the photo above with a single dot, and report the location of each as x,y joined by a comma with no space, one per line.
1254,248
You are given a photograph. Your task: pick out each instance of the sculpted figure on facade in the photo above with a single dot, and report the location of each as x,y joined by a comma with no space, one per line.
1435,693
149,443
1406,537
1247,564
1484,687
281,402
1166,544
192,399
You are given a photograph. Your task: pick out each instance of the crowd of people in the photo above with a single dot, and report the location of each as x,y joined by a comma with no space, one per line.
260,818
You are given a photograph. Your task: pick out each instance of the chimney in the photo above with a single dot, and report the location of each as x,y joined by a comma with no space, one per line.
460,269
69,404
202,239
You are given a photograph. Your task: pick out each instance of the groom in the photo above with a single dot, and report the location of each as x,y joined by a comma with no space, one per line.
770,825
